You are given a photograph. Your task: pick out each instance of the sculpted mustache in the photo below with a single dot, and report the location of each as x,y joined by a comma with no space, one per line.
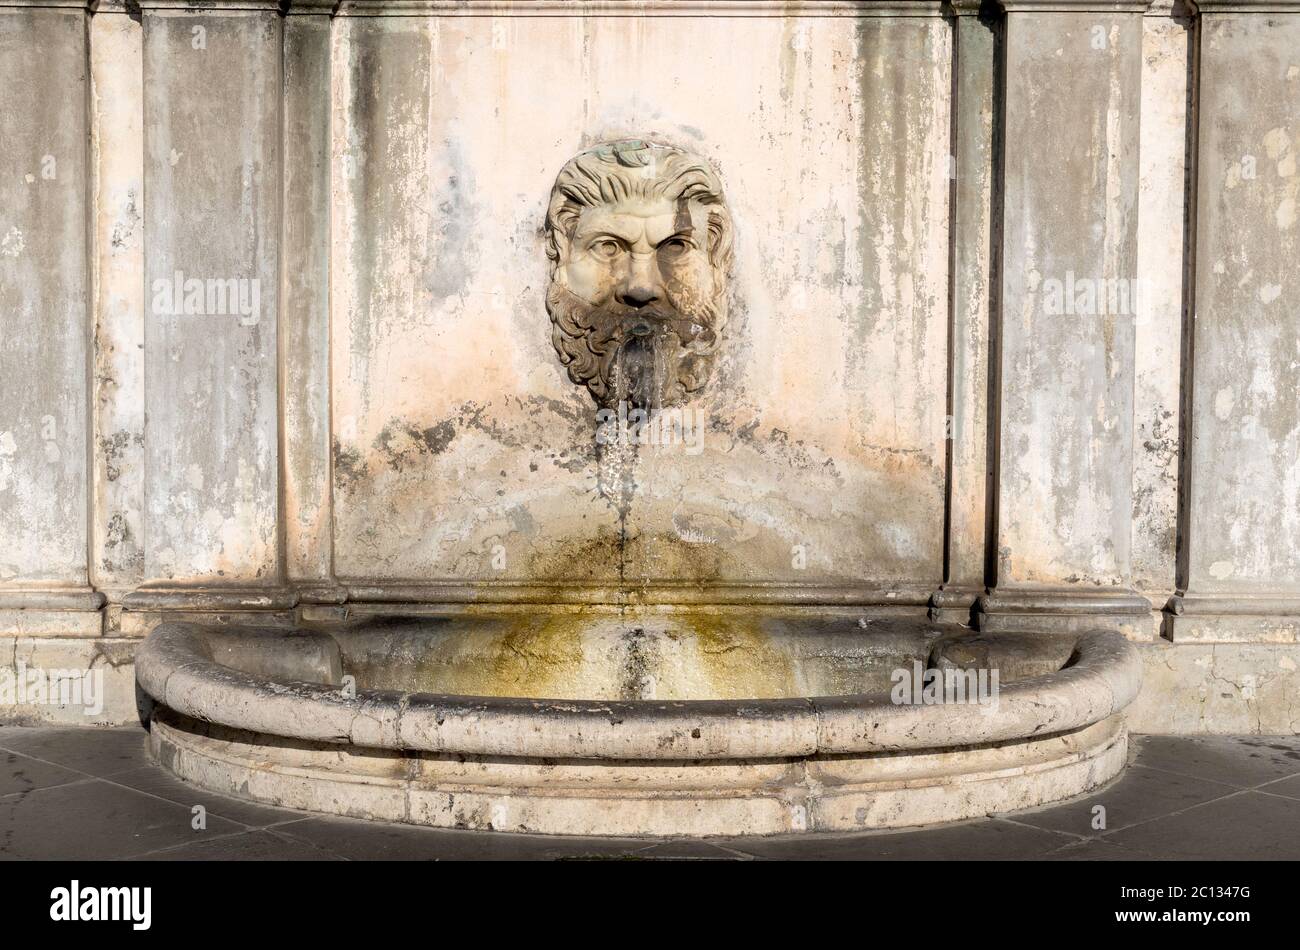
687,329
611,326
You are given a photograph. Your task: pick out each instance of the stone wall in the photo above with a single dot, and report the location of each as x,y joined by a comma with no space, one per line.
1012,334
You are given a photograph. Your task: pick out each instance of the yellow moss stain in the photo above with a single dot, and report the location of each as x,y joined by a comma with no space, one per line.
586,653
633,561
738,659
527,656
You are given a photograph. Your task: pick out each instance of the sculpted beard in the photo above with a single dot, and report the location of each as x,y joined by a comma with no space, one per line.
648,357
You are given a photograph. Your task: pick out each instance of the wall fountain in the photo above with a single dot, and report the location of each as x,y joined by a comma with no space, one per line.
633,718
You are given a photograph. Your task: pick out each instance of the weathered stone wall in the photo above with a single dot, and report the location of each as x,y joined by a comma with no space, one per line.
1012,320
463,455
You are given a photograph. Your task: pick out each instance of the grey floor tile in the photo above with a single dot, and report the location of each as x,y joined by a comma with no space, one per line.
84,749
1288,787
1249,826
154,780
248,846
18,773
95,820
362,840
1098,849
689,850
1241,761
989,840
1139,794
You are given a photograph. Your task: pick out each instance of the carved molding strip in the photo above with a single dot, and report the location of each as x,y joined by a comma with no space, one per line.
1245,6
640,8
47,4
214,7
510,8
656,592
1074,6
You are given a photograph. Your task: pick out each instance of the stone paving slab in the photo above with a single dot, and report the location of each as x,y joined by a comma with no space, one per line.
92,793
1100,849
1287,787
983,839
1247,826
152,780
1139,794
19,773
94,751
361,840
94,821
1240,761
255,845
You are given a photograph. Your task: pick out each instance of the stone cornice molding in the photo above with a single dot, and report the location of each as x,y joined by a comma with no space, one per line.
526,8
1238,7
310,7
651,8
211,6
648,8
1171,9
81,5
1074,6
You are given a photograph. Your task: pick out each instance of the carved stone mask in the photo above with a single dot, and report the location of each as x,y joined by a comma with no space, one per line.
640,244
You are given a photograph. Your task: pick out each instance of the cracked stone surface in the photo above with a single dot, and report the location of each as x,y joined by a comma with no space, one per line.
1222,688
93,793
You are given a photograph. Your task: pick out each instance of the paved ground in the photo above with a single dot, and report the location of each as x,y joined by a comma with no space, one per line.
93,794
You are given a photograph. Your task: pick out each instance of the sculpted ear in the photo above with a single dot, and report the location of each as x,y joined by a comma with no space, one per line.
720,238
559,231
560,244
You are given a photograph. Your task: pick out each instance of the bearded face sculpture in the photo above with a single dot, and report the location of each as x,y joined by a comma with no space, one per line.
640,244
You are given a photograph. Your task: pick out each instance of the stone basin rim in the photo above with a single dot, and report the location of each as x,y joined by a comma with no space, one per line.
175,666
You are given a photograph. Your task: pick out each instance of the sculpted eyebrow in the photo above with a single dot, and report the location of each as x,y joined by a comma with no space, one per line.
605,235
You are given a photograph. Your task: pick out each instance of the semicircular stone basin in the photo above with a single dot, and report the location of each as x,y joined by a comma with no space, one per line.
646,721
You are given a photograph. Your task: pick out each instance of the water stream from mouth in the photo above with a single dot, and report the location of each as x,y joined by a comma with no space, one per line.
640,368
637,385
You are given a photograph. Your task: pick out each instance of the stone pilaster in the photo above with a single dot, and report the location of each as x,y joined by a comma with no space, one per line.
1067,269
304,290
974,60
44,324
1239,573
1162,256
117,235
213,177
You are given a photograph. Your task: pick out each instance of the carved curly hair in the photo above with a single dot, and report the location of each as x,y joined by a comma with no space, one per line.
634,168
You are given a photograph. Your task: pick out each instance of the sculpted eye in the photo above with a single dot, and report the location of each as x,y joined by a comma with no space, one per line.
606,249
675,247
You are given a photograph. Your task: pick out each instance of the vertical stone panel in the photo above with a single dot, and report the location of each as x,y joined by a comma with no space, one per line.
464,459
1166,45
117,156
896,360
1068,269
44,321
212,235
973,90
1243,512
304,327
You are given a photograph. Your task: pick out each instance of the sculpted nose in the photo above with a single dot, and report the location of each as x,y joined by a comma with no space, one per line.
640,287
637,295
